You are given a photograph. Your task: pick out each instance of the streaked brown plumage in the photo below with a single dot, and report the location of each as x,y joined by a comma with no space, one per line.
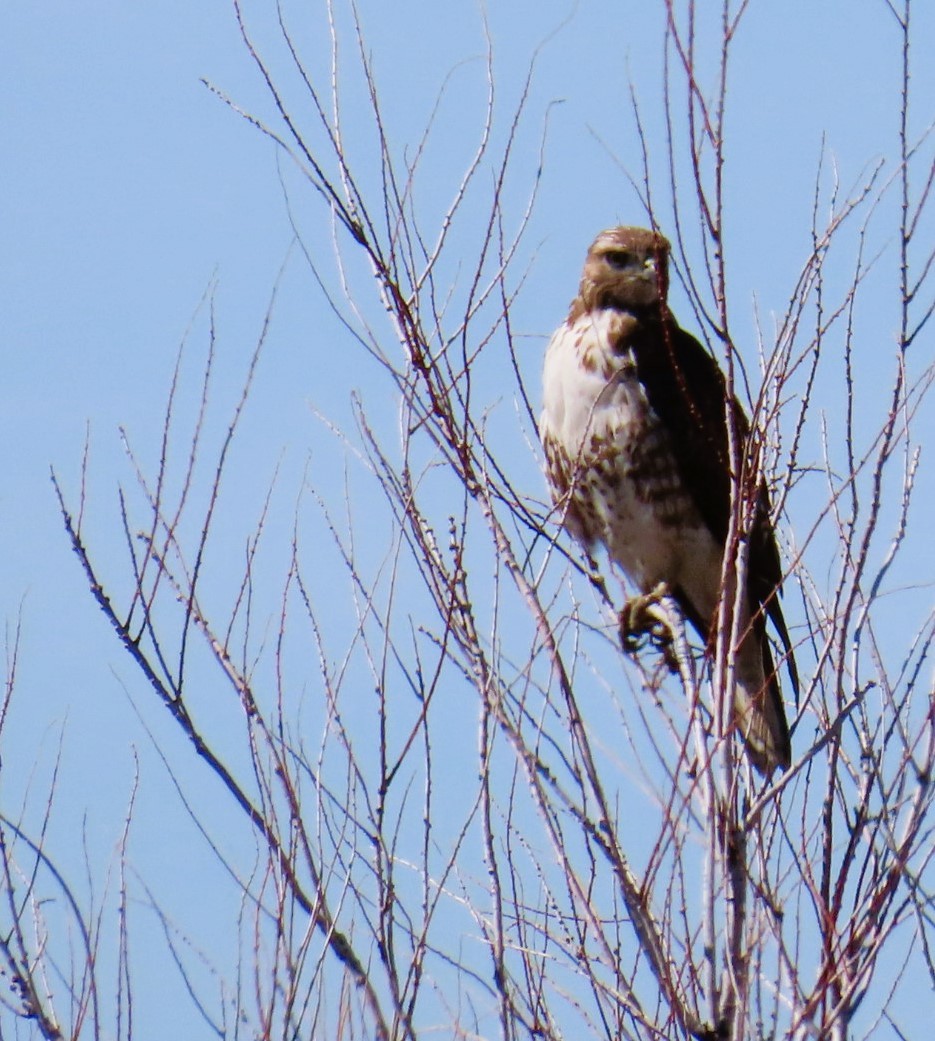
634,427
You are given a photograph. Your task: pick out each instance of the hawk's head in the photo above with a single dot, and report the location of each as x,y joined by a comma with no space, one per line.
626,268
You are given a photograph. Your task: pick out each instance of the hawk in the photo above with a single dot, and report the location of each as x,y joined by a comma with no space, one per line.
635,432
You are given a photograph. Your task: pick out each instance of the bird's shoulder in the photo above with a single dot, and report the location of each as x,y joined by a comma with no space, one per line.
684,382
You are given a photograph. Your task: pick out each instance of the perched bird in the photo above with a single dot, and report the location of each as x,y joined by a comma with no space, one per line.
635,432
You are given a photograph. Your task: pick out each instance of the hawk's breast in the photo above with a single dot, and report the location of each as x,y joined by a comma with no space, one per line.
609,456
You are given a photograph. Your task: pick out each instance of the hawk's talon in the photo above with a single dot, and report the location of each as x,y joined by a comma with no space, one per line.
640,623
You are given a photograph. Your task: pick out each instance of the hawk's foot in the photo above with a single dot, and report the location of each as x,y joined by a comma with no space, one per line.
641,621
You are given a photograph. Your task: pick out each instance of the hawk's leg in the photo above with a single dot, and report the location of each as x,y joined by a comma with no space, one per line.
641,616
596,579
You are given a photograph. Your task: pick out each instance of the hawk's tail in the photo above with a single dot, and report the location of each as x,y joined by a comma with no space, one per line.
758,709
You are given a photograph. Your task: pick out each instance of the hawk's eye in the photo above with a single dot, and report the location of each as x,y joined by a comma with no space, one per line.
619,258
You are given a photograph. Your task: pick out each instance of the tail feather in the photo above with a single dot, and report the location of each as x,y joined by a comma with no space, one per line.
758,709
761,721
774,612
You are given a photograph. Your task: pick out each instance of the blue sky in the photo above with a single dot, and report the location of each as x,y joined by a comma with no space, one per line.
130,190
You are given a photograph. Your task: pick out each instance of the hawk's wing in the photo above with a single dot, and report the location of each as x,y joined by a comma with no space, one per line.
687,390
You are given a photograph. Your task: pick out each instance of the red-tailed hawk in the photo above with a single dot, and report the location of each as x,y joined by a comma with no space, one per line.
634,427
